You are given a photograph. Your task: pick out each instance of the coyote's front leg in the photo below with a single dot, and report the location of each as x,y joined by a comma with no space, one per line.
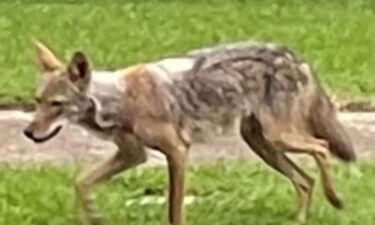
129,154
167,138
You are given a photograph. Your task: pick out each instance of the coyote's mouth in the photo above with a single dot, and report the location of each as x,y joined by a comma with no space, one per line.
49,136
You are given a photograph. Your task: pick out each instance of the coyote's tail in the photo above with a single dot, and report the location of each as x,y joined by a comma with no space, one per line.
326,125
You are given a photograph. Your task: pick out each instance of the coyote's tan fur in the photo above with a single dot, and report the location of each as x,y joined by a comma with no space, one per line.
280,102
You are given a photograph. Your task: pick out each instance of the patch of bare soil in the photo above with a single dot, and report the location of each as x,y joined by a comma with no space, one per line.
75,144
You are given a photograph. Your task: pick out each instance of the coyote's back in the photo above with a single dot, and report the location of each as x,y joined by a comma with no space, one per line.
270,82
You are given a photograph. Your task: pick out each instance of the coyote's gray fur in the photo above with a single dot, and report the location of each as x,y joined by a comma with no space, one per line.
275,93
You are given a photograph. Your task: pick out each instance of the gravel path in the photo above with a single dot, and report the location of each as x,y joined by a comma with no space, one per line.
75,144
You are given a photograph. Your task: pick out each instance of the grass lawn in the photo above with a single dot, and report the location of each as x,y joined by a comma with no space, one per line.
336,36
226,194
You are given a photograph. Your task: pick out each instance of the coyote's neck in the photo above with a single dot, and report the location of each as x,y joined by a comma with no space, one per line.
105,91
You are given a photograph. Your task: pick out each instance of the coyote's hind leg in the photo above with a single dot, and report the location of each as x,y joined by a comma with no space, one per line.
251,132
318,148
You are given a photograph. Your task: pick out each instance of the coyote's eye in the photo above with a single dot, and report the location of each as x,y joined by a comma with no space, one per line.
56,103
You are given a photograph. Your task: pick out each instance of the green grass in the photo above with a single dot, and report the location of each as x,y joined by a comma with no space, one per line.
336,36
227,194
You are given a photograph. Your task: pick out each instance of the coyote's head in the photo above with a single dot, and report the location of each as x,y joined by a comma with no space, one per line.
61,95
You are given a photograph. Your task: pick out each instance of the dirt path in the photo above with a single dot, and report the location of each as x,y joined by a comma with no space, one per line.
76,144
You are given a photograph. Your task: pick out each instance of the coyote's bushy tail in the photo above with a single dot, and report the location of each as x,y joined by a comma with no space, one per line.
326,125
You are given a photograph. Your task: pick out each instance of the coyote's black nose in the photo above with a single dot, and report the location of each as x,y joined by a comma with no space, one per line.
28,133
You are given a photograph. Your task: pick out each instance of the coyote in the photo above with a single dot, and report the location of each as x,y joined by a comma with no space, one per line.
280,103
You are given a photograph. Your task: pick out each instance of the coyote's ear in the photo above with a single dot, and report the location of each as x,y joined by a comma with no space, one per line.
47,61
79,71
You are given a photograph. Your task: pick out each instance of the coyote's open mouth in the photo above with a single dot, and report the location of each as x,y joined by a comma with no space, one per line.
49,136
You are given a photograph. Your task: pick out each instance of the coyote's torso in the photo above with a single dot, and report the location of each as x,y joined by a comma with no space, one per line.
210,85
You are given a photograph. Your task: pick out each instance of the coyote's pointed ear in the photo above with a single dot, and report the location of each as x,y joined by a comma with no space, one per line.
79,71
47,61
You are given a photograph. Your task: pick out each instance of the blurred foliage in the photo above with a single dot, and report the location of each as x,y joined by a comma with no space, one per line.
337,36
225,194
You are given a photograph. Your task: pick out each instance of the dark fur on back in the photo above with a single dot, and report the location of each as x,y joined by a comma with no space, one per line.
268,81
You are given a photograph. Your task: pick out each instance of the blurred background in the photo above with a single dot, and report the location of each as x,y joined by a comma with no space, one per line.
227,185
